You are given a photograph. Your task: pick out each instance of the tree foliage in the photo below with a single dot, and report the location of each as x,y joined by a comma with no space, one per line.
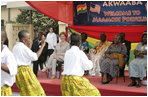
39,20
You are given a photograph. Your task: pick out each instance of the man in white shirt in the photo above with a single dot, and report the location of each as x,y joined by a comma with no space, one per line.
8,68
75,62
51,39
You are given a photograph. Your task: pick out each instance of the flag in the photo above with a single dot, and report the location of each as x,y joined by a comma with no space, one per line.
95,9
81,8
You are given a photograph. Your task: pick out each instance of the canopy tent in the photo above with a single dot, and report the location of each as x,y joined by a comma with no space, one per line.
63,11
58,10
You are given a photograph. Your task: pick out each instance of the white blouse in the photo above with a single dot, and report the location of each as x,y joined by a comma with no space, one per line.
23,54
75,62
8,59
51,39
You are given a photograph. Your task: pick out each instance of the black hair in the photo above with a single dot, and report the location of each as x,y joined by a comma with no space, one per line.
84,34
41,33
103,34
50,27
145,34
75,39
122,34
22,33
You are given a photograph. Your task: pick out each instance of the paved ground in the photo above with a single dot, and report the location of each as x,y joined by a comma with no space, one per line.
15,94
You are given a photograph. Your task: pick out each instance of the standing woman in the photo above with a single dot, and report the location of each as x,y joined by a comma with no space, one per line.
75,62
26,80
51,39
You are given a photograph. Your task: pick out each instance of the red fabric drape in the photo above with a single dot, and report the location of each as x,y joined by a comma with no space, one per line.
58,10
63,11
132,33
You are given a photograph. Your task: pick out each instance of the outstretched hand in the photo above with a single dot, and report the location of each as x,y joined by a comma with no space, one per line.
43,40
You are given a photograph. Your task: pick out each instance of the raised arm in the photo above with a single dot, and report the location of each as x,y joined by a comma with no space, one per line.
42,47
40,50
86,63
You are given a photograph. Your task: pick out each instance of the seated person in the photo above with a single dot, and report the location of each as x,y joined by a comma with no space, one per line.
115,56
84,43
58,54
97,54
137,68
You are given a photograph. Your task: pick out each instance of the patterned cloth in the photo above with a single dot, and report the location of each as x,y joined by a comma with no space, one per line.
120,59
138,67
6,91
27,82
97,58
111,65
77,86
100,46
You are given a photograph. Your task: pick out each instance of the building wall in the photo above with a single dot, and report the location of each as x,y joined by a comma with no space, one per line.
12,32
62,27
11,28
4,14
13,14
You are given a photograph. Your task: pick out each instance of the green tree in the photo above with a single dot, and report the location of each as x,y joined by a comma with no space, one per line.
39,20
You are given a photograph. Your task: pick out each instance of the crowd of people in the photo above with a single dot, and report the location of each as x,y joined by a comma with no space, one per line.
104,59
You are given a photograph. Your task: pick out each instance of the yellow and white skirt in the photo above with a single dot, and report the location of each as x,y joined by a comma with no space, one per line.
27,82
77,86
6,91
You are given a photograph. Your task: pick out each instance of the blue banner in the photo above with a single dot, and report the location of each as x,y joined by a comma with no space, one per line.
110,13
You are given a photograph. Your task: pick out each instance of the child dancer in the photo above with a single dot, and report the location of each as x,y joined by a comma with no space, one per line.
75,62
8,68
26,80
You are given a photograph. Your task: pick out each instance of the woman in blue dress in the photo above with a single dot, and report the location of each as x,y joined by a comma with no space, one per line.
84,43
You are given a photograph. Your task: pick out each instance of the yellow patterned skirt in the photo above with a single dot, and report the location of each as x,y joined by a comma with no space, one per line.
6,91
27,82
77,86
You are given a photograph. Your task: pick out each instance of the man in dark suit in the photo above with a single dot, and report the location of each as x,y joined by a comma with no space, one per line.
35,47
128,46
